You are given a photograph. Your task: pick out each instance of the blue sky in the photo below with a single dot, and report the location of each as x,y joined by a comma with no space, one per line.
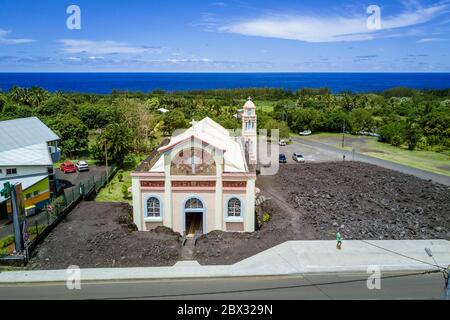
225,36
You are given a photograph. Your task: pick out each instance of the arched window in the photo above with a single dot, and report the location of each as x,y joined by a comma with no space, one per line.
234,207
193,203
153,207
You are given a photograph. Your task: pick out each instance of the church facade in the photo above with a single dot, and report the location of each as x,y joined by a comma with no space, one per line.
200,180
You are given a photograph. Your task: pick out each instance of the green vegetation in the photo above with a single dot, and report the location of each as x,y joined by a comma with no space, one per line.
117,189
9,240
4,243
126,124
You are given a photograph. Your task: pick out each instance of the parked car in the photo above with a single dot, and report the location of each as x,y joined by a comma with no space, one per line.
82,166
282,158
282,143
305,133
68,167
297,157
368,133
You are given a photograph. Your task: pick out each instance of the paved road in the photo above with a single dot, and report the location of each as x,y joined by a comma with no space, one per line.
74,179
319,286
336,153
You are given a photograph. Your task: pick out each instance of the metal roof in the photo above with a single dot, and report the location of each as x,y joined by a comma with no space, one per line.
24,132
213,134
36,154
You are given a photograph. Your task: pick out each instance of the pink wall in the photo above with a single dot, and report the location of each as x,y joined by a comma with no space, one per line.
152,225
235,226
178,199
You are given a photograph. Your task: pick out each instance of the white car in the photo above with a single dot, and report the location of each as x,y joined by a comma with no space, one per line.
82,166
282,143
305,133
297,157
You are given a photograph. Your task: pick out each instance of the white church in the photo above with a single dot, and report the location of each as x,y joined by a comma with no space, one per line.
201,180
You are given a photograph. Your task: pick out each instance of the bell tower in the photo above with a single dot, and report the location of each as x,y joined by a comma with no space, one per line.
249,131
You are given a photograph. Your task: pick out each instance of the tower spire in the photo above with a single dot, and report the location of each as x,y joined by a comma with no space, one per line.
249,129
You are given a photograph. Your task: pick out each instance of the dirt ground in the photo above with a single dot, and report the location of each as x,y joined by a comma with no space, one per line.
313,201
307,202
97,234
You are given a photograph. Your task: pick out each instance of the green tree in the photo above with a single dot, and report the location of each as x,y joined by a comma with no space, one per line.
57,104
413,133
280,125
116,138
73,133
396,141
95,116
361,120
174,119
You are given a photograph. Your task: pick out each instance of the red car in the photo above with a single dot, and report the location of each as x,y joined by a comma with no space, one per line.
68,167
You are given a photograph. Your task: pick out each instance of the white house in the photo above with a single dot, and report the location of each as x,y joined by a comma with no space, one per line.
27,151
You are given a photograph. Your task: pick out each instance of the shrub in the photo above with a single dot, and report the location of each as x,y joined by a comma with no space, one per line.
265,217
3,253
120,176
6,241
125,191
396,141
40,228
422,144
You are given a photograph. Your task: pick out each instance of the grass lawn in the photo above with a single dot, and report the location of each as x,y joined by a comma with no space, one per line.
266,106
113,191
426,160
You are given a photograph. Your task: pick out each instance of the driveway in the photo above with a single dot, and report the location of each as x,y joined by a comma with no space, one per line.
316,151
69,180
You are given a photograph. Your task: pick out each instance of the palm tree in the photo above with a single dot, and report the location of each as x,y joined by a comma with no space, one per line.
37,95
16,94
117,140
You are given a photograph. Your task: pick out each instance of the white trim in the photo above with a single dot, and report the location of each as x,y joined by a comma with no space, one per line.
153,219
234,219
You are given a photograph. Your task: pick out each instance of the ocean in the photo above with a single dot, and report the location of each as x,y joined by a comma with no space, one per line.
104,83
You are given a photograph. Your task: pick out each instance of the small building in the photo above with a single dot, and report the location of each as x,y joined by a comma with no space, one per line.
200,180
27,151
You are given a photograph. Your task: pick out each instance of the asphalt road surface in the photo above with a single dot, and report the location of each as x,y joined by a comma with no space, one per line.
323,151
320,286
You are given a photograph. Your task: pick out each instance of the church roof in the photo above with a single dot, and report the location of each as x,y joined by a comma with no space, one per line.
211,133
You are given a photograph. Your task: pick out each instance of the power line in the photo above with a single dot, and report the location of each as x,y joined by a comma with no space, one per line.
269,288
405,256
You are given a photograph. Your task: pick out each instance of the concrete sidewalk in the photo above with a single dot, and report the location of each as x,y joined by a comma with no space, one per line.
289,258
